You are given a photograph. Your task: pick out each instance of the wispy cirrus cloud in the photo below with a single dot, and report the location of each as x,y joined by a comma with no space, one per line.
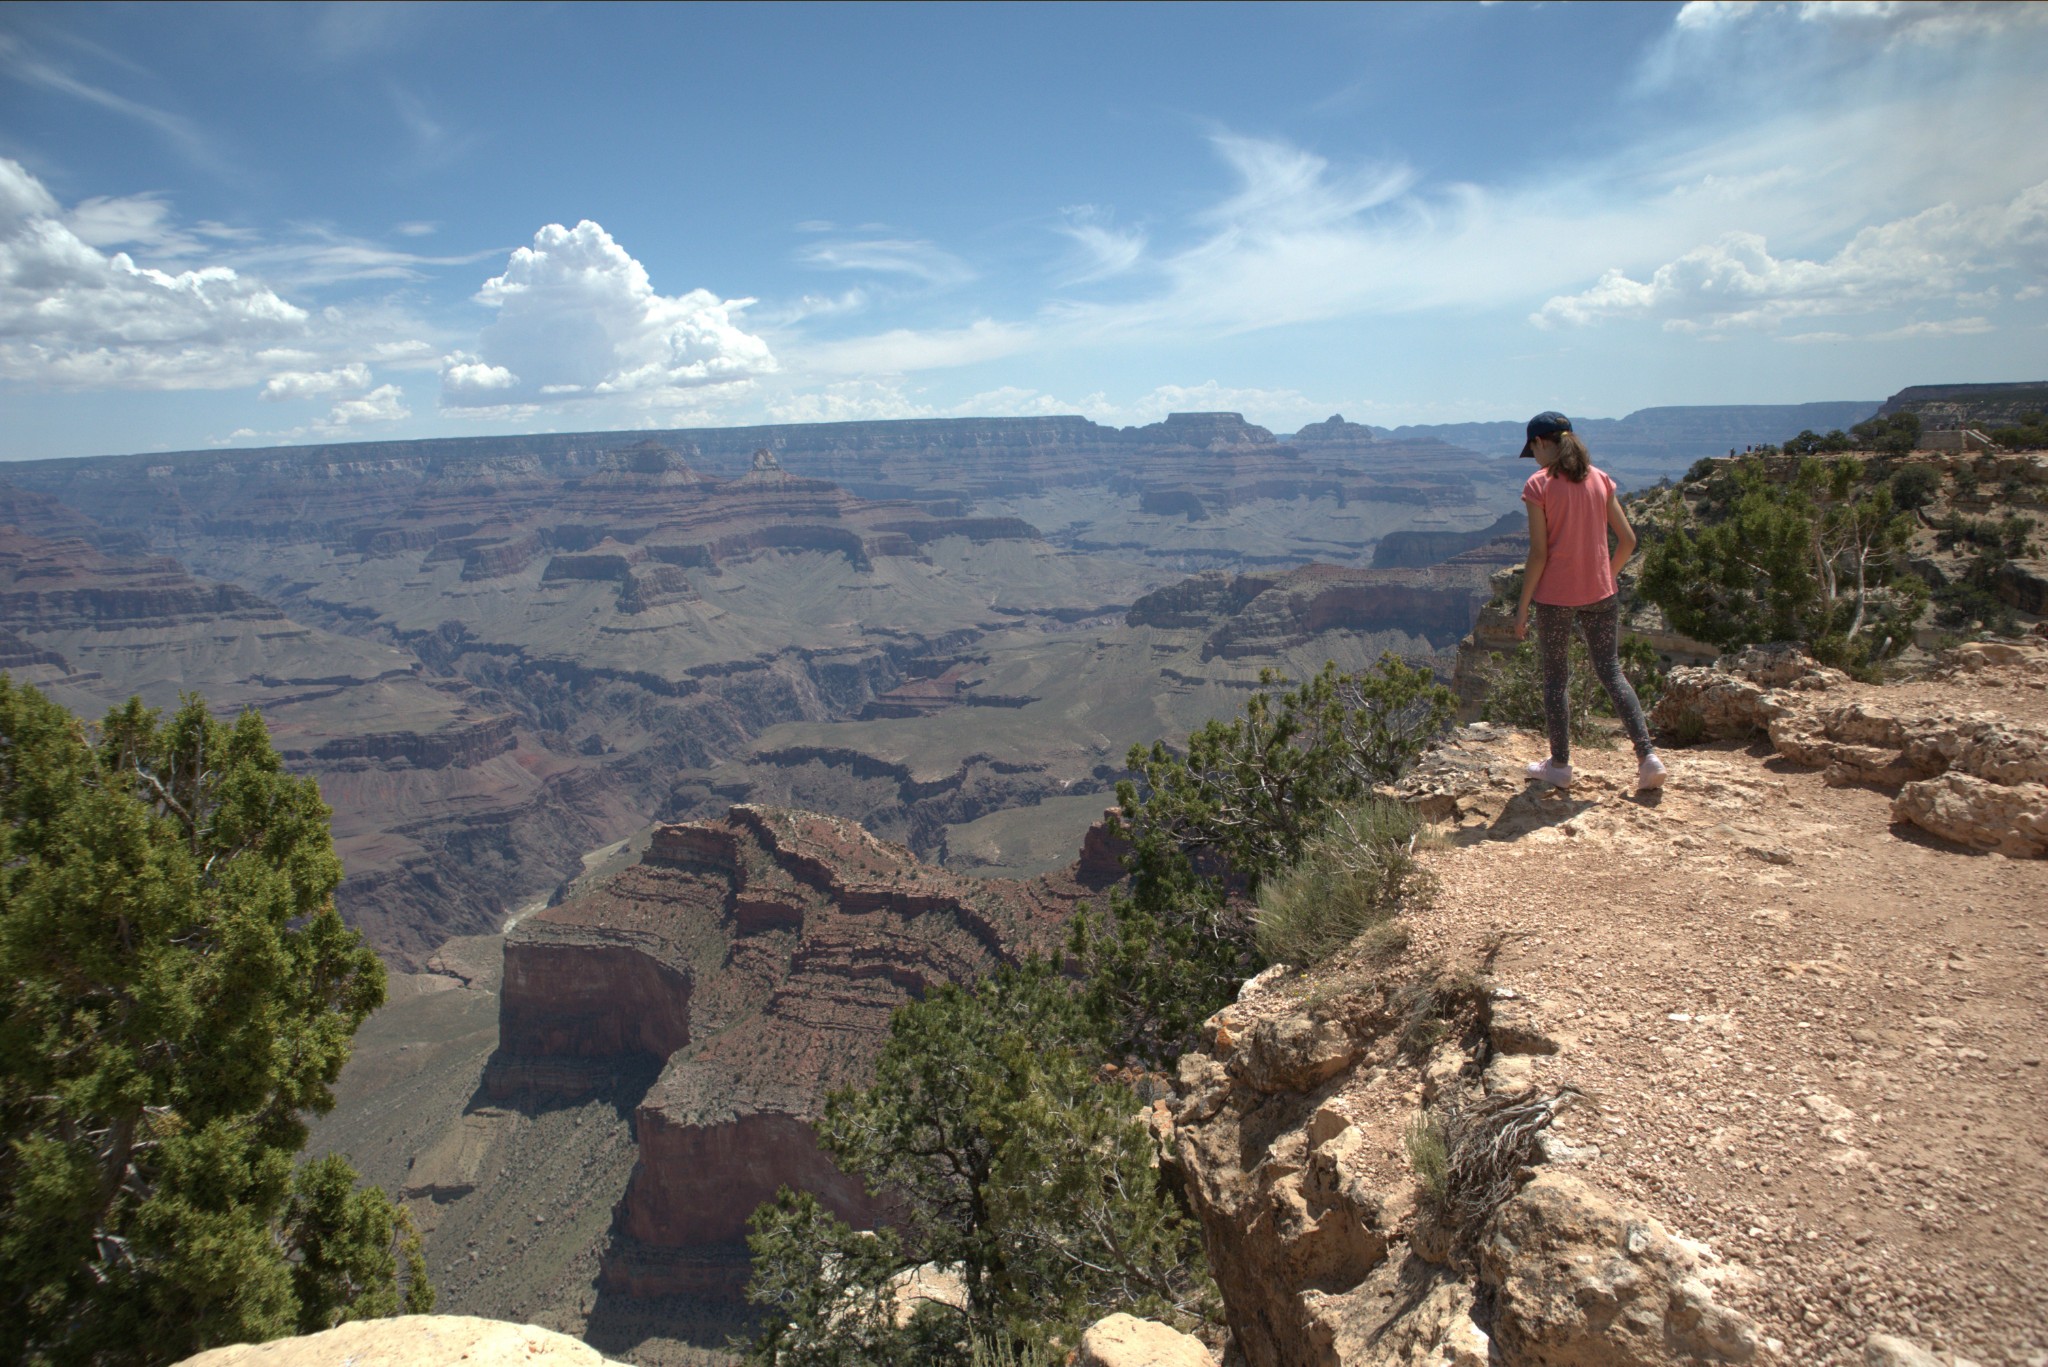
900,256
1106,249
19,60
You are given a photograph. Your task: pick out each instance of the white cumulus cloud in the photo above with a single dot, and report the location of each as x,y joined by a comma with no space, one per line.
385,403
578,318
74,316
313,384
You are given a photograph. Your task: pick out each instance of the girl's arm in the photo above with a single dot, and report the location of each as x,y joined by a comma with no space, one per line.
1532,571
1624,535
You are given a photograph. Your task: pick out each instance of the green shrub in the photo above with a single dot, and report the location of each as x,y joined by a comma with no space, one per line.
1353,879
1811,443
1894,435
1813,553
177,997
1206,829
1429,1155
1007,1155
1914,486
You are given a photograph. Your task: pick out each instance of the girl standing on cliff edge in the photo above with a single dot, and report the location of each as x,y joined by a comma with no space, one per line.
1571,580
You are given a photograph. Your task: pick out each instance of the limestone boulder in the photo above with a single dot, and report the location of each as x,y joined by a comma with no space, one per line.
1782,665
1127,1341
1470,772
2008,818
1578,1281
1293,1053
413,1341
1709,704
1433,1327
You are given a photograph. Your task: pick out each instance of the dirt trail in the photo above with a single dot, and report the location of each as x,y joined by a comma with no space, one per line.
1816,1038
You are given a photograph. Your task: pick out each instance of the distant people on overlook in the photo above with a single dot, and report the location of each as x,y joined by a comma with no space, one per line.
1571,580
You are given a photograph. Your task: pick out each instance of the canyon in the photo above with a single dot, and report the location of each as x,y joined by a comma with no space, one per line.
498,655
570,697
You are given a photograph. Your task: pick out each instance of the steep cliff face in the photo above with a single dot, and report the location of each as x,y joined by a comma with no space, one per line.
756,959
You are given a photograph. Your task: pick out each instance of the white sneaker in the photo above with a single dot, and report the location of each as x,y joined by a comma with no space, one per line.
1551,772
1650,773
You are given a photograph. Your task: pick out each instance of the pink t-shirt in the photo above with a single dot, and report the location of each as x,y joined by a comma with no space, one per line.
1579,569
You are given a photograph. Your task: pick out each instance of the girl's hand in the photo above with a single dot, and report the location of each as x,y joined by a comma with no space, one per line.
1521,623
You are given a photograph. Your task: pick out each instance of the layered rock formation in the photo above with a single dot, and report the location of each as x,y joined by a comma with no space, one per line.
755,960
435,811
634,611
1267,614
1288,1132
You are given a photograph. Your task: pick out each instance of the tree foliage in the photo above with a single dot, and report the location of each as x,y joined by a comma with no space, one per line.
176,994
1894,435
1811,554
1240,806
1012,1163
2029,433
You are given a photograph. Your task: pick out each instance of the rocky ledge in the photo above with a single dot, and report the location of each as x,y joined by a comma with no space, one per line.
1977,777
1749,1065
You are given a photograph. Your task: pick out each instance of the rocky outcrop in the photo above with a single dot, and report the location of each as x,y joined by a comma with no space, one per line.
1289,1131
412,1341
1199,601
755,961
1978,779
1576,1279
461,746
1437,604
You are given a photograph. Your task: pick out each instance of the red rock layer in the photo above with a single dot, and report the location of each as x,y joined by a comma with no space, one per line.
760,956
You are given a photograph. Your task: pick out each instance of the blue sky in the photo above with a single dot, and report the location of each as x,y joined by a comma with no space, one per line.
252,225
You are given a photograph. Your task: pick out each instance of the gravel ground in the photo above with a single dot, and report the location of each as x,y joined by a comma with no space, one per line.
1815,1039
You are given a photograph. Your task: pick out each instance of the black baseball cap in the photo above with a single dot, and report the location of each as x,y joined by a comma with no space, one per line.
1549,426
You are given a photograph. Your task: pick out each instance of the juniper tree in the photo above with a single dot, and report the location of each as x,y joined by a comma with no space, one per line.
1008,1158
1812,555
1241,805
177,993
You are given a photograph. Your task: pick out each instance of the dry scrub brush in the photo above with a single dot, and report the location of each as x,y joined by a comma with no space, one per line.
1473,1154
1353,879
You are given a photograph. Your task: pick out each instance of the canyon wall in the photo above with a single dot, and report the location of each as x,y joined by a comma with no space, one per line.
755,960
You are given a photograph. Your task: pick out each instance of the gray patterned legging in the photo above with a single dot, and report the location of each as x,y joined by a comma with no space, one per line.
1600,623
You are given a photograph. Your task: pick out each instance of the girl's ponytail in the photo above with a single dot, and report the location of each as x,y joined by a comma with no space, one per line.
1572,459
